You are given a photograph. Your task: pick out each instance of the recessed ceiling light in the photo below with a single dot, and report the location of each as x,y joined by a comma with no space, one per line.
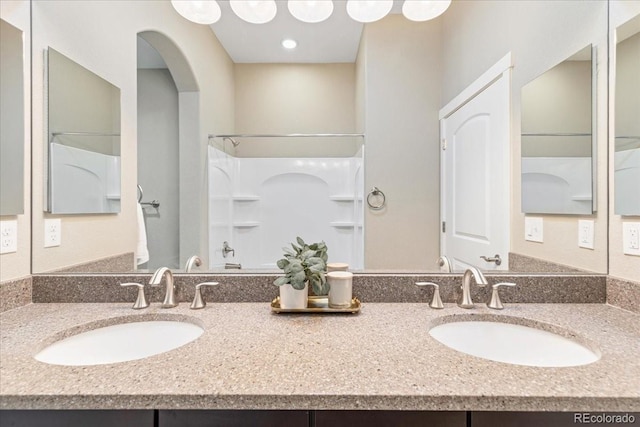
254,11
424,10
289,43
201,12
311,11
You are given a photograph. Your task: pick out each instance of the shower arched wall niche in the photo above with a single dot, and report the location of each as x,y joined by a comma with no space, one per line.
259,204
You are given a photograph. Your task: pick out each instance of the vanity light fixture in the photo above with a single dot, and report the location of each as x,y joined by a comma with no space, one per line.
368,10
310,11
289,43
424,10
204,12
254,11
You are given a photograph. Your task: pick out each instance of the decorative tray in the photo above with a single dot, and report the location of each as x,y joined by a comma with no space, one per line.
317,304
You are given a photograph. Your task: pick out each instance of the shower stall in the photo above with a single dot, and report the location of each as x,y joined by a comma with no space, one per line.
265,190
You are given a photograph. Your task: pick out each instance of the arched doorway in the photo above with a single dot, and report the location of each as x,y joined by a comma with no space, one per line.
168,146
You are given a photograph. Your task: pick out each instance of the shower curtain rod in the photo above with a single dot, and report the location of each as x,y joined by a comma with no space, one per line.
288,135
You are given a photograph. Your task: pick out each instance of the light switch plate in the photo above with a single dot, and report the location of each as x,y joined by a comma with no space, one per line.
586,233
631,238
52,232
533,229
8,236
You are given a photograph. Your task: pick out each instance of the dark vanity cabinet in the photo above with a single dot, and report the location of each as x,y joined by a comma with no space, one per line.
293,418
389,419
73,418
223,418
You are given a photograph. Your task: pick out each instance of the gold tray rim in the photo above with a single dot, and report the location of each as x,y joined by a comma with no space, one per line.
354,308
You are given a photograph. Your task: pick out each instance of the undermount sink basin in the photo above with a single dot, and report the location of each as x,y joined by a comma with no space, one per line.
120,343
514,344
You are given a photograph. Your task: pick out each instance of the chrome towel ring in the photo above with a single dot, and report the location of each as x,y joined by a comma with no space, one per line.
153,203
373,194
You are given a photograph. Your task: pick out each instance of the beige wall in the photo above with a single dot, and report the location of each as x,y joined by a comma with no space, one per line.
102,37
620,265
539,34
399,62
18,264
295,98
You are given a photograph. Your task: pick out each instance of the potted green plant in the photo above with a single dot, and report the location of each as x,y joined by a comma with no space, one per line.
302,265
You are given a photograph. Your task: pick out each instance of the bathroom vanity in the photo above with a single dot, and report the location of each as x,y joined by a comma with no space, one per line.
319,367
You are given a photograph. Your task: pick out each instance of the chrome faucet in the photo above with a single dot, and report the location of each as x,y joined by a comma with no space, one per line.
194,260
466,301
170,294
226,249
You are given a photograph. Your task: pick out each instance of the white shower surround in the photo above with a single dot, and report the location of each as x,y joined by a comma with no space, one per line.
259,205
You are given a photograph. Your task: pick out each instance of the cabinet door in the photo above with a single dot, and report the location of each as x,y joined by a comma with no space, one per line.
225,418
389,419
50,418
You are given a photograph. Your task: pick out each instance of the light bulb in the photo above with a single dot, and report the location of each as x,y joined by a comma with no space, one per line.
310,11
424,10
254,11
368,10
201,12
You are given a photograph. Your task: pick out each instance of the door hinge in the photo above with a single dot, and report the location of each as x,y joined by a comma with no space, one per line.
444,227
444,144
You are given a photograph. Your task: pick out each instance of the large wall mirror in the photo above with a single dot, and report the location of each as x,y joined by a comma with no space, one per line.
218,202
627,119
557,138
11,120
84,139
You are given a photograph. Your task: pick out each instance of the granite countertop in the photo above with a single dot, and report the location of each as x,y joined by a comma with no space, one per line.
382,358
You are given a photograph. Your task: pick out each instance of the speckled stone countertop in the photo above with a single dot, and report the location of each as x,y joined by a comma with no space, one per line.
382,358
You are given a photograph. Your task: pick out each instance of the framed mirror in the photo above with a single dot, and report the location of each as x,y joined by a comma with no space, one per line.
83,114
11,120
557,138
627,119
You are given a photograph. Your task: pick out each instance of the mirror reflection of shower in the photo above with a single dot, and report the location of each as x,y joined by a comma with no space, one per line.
312,186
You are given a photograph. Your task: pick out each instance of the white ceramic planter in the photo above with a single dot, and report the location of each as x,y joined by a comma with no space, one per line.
293,299
340,291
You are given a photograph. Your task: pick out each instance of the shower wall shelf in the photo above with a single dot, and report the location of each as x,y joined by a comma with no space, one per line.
342,224
246,224
344,198
245,198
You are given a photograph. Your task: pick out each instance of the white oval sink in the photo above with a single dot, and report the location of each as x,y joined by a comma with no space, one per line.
515,344
120,343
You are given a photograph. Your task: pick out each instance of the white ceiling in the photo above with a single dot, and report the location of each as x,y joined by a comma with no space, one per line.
333,40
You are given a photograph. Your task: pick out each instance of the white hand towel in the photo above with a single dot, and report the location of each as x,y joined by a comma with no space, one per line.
142,252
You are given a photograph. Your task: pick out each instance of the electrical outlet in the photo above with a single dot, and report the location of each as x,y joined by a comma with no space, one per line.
631,238
52,232
533,229
586,233
8,236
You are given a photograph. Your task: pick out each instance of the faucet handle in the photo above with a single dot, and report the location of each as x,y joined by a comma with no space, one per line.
436,302
495,302
198,302
141,301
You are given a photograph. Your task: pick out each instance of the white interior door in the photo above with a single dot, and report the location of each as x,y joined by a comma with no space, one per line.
475,178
